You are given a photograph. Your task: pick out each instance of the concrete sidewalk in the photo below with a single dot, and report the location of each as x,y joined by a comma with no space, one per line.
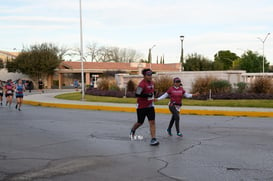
47,99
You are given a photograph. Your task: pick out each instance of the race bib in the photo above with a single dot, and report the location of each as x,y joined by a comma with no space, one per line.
1,91
9,92
177,107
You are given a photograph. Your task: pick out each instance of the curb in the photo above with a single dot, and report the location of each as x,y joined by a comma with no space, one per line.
158,110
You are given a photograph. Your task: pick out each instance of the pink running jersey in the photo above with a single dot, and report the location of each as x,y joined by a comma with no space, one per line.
147,87
176,94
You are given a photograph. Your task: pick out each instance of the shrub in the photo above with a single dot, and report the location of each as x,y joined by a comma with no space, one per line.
162,84
113,87
261,85
107,84
103,84
241,87
219,86
110,93
131,86
201,84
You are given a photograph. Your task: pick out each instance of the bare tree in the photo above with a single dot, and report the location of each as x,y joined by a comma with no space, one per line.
93,51
97,53
129,55
75,53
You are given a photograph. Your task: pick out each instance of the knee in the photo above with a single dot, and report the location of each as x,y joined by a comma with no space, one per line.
176,117
152,122
139,124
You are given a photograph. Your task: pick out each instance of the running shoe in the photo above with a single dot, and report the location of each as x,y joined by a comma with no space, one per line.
180,134
154,142
132,135
19,109
169,132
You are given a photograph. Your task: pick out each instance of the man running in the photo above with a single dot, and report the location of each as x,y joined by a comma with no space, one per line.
145,105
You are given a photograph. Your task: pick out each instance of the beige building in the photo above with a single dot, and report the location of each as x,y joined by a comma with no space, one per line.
68,71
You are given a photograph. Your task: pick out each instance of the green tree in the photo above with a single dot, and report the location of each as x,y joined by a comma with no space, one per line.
195,62
37,61
253,62
1,63
223,60
236,64
270,68
11,66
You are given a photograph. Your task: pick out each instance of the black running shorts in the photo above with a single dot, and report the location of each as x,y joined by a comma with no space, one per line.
7,95
142,113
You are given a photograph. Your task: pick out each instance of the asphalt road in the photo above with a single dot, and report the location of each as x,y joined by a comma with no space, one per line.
51,144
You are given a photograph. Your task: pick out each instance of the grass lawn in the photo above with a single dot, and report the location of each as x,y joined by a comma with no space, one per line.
262,103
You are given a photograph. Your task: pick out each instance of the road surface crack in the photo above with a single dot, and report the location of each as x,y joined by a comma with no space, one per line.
166,163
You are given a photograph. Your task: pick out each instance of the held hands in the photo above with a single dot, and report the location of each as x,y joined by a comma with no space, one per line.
196,94
150,96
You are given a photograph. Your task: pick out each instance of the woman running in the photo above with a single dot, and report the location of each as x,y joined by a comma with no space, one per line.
9,89
19,90
176,93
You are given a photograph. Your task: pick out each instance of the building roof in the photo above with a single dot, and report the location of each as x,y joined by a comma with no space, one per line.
9,54
114,66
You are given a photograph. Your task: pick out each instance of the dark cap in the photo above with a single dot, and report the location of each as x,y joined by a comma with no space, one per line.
147,72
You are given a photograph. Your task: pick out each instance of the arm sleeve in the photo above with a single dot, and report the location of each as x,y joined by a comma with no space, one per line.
187,95
164,96
140,94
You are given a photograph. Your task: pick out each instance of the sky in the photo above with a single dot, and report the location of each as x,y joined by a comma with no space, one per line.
207,25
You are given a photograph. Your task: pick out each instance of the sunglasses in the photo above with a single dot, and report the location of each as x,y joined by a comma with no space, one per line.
149,73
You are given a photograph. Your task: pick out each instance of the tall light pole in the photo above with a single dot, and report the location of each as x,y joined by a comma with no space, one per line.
150,54
263,41
81,42
182,51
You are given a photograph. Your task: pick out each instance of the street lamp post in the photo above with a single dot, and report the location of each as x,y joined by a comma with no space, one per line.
182,51
150,54
81,42
263,41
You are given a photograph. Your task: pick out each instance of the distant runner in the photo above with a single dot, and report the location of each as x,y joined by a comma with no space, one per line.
19,90
9,89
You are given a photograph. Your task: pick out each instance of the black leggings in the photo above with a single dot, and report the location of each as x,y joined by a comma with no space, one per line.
175,118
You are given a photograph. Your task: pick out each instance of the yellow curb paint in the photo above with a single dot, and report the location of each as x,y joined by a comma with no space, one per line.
158,110
228,113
